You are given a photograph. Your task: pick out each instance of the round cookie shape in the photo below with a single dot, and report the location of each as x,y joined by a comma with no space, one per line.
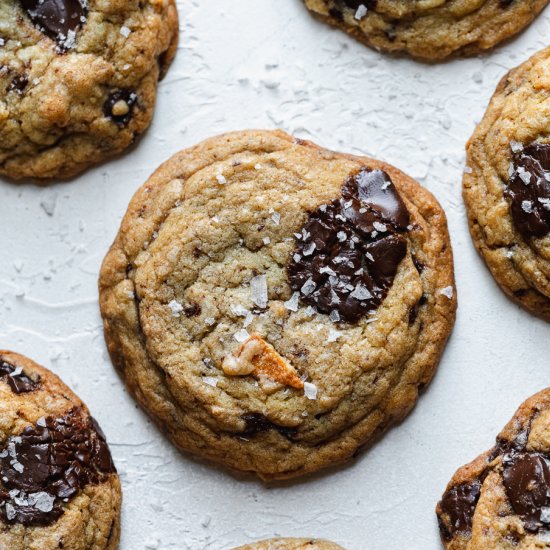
429,29
502,498
78,80
58,485
291,544
273,305
506,185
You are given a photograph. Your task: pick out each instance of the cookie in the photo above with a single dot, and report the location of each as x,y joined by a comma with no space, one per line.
501,500
58,484
274,306
429,29
78,80
291,544
507,185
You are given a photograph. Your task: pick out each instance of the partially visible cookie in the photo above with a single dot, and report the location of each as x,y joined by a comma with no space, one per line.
291,544
78,80
275,306
507,184
58,484
501,500
429,29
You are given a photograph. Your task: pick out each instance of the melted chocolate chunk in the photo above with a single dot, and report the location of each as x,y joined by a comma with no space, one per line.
58,19
348,252
256,423
529,190
49,463
527,482
17,380
19,83
458,504
119,106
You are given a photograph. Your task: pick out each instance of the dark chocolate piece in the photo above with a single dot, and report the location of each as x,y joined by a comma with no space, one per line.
526,479
349,251
529,190
124,100
58,19
256,423
458,504
49,463
17,380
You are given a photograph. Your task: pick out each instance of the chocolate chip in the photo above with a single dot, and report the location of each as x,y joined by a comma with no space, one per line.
256,423
529,190
192,310
17,380
457,507
58,19
119,106
348,252
49,463
526,479
19,83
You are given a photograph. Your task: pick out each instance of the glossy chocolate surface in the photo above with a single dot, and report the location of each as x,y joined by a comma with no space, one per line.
529,190
348,252
48,464
17,380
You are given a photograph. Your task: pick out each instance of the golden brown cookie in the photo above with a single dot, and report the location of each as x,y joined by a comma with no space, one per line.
429,29
275,306
501,500
507,185
78,80
291,544
58,484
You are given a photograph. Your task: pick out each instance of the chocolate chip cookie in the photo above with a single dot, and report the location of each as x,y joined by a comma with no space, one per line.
502,499
58,485
274,306
78,80
507,185
429,29
291,544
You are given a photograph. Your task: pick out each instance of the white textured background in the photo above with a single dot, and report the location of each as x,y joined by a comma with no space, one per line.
267,64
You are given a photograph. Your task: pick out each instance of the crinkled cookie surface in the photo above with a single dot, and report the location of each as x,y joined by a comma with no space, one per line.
501,500
274,306
78,80
507,184
58,484
429,29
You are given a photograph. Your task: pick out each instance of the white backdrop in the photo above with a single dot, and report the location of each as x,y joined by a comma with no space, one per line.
267,64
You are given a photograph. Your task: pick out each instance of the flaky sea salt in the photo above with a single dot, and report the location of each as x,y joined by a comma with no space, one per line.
516,146
125,31
258,290
221,179
527,206
241,335
308,287
210,380
209,321
176,308
333,335
361,12
361,292
310,391
293,303
276,218
448,292
266,240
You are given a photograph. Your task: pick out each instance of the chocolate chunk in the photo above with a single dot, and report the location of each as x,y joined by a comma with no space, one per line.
457,508
529,190
348,252
19,83
119,106
17,380
256,423
58,19
192,310
527,482
49,463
